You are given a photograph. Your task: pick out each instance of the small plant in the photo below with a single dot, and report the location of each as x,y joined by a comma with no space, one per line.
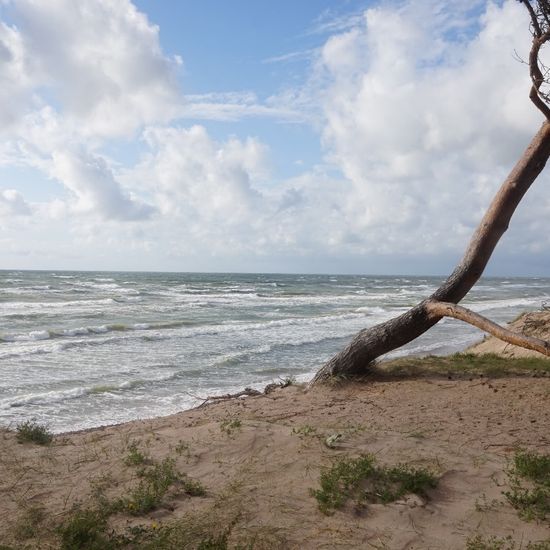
85,528
305,431
363,480
155,483
533,466
507,543
135,457
192,487
32,432
482,504
29,525
214,543
183,448
230,426
532,500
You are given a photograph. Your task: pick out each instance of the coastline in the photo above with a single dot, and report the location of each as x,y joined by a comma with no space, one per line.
87,349
259,457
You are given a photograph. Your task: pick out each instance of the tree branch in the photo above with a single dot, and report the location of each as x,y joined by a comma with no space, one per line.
533,15
445,309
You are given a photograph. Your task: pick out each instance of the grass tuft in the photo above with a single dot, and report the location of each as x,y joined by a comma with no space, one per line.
364,481
507,543
135,456
230,426
29,525
464,365
86,529
529,490
155,482
33,432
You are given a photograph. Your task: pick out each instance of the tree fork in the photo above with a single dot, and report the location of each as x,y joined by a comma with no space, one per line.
371,343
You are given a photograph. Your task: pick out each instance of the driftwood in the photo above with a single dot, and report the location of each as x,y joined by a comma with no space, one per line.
247,392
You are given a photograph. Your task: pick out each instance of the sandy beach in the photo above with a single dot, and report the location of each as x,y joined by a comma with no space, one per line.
261,471
258,458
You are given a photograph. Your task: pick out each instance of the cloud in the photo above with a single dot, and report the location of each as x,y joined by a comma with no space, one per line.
12,203
425,122
299,55
205,185
233,106
15,82
95,188
108,74
421,109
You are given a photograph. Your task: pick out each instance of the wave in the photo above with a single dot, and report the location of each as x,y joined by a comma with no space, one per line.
506,303
56,305
58,396
91,330
241,356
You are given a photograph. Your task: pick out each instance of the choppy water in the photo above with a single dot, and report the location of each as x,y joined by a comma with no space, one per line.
84,349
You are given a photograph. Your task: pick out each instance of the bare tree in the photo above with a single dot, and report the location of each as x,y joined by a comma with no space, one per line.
369,344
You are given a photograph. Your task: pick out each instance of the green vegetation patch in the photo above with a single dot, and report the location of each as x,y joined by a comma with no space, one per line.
364,481
464,365
86,529
30,524
155,482
33,432
529,490
507,543
230,426
211,530
135,456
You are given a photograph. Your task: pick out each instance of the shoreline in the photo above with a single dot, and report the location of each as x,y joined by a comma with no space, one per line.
484,345
243,472
258,459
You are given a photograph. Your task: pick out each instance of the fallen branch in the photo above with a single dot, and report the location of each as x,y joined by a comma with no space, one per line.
248,392
445,309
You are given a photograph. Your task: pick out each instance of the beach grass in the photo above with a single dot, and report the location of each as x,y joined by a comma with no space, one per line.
464,365
33,432
529,490
362,480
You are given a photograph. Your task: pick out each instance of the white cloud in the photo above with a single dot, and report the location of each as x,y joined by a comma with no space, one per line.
108,74
13,204
425,139
203,185
92,182
421,109
15,82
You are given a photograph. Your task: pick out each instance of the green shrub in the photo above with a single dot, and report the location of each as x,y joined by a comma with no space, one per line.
32,432
531,499
363,480
507,543
85,529
135,457
154,484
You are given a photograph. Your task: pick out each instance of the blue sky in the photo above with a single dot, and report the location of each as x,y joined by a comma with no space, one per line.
318,136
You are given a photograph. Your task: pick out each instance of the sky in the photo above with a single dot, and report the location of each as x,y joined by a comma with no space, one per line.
317,137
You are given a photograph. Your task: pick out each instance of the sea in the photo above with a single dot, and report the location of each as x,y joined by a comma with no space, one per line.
85,349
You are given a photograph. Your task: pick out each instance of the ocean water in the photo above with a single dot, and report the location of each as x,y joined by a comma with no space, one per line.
83,349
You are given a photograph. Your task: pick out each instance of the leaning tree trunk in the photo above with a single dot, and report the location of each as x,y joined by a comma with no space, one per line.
369,344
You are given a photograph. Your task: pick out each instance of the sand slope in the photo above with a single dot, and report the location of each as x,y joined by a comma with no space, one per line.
535,323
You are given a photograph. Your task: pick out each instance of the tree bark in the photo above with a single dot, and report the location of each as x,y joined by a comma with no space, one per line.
445,309
369,344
